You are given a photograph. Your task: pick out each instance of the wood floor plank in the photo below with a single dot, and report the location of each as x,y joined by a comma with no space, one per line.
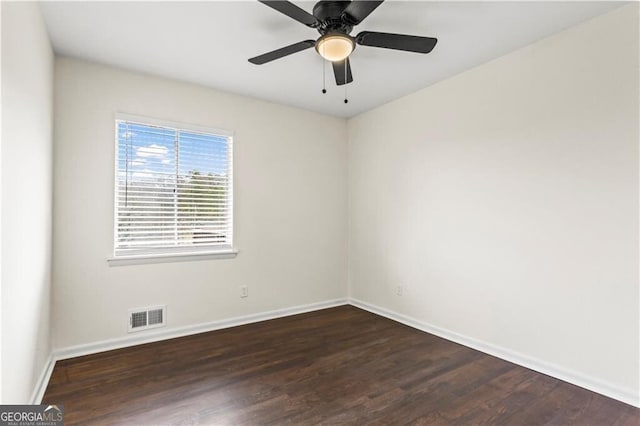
336,366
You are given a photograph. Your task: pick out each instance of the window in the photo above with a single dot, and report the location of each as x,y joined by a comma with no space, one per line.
173,189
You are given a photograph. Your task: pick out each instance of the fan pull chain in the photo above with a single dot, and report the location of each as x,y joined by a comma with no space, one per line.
346,63
324,67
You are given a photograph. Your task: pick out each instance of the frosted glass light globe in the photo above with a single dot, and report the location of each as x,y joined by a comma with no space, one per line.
335,47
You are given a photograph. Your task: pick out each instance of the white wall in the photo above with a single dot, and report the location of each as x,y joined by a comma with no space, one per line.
27,97
505,201
290,204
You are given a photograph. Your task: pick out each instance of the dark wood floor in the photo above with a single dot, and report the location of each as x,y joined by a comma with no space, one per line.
340,365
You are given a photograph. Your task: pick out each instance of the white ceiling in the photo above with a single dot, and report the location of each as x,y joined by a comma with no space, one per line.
209,43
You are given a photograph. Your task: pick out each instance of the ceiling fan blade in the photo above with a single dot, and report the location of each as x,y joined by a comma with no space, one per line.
405,42
282,52
358,10
339,72
292,11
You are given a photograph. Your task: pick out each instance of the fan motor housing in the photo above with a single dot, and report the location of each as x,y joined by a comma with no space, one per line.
330,14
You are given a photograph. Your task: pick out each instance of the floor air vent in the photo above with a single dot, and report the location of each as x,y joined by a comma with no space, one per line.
146,318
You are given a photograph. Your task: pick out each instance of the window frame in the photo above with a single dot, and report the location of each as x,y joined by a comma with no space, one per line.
171,254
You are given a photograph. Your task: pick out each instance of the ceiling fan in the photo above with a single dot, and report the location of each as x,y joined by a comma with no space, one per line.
335,20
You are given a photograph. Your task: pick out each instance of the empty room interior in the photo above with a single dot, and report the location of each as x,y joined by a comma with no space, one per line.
334,212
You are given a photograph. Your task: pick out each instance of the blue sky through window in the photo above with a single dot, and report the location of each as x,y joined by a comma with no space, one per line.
149,152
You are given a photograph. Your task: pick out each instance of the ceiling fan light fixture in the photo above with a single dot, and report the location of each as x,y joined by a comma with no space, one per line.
335,47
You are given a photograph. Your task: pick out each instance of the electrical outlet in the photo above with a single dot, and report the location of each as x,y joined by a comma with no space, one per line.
244,291
399,290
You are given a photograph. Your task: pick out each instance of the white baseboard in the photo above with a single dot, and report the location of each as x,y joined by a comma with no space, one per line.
132,340
628,396
43,381
170,333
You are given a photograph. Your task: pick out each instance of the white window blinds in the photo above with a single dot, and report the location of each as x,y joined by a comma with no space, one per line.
174,189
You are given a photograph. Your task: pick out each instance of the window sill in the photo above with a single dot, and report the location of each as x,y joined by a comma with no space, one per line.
140,259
